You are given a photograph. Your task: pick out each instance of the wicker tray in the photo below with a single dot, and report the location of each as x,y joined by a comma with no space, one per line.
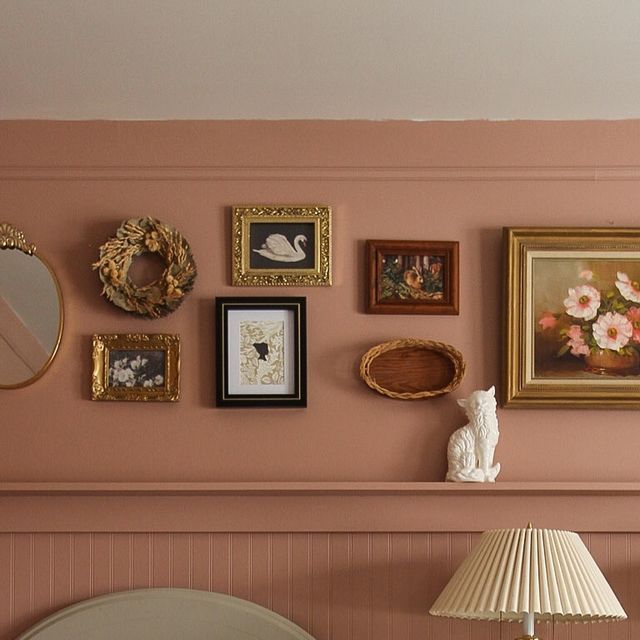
412,369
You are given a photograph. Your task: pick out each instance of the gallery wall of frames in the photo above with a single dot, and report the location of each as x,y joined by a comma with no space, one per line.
371,233
312,300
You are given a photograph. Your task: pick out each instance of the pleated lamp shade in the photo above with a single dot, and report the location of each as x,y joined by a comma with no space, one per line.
544,572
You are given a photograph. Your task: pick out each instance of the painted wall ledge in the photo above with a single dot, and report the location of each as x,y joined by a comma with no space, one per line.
315,488
316,507
361,173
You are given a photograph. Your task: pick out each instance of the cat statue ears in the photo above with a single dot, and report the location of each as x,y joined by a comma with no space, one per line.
464,401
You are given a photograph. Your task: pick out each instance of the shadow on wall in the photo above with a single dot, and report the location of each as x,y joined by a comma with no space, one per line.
490,278
79,256
442,418
437,417
206,352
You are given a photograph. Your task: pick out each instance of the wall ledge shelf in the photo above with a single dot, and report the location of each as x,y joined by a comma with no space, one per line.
316,507
451,489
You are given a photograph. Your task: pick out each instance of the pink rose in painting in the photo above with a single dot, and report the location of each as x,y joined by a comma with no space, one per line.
633,315
578,348
547,320
586,274
583,302
630,289
576,341
575,332
612,331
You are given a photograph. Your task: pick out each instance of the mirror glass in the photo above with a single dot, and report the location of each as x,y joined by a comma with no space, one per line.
31,317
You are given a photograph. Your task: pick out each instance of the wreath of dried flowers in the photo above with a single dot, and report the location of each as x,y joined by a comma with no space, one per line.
133,238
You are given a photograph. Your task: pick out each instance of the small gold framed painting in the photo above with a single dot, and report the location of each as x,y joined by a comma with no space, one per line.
281,245
140,367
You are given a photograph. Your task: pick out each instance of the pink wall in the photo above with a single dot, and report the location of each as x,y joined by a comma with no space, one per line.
69,185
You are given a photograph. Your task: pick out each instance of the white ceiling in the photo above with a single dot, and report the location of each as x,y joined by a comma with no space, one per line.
366,59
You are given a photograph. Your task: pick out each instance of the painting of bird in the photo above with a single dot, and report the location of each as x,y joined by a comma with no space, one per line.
278,248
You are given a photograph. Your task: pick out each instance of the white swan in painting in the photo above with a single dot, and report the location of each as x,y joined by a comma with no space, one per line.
277,247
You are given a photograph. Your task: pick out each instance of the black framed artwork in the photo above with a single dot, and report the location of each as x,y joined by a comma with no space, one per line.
261,352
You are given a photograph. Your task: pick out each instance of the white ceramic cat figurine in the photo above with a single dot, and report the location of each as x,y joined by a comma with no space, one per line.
471,448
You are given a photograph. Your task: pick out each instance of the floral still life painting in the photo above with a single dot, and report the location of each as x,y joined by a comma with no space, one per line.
129,368
261,352
594,327
136,367
572,317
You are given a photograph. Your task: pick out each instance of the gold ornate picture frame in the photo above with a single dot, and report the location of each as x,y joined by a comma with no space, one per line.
140,367
572,317
281,245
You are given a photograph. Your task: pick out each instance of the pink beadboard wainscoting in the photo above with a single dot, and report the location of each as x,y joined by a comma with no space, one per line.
334,515
352,560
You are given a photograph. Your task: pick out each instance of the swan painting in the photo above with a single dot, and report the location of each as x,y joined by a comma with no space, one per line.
278,248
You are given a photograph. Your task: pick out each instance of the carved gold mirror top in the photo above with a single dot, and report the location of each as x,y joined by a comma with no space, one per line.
31,313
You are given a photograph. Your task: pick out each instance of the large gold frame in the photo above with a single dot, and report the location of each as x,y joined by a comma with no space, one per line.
520,386
242,219
104,344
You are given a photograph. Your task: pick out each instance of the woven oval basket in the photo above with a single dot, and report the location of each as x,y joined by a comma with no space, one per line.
412,369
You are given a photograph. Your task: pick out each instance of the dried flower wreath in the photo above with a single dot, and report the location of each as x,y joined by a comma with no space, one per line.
133,238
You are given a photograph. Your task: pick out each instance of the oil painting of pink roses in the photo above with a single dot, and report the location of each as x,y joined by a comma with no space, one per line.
572,317
586,314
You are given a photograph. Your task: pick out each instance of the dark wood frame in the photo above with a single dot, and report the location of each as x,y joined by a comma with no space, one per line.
449,251
298,307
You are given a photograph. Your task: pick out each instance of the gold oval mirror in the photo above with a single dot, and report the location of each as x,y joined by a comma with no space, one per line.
31,315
